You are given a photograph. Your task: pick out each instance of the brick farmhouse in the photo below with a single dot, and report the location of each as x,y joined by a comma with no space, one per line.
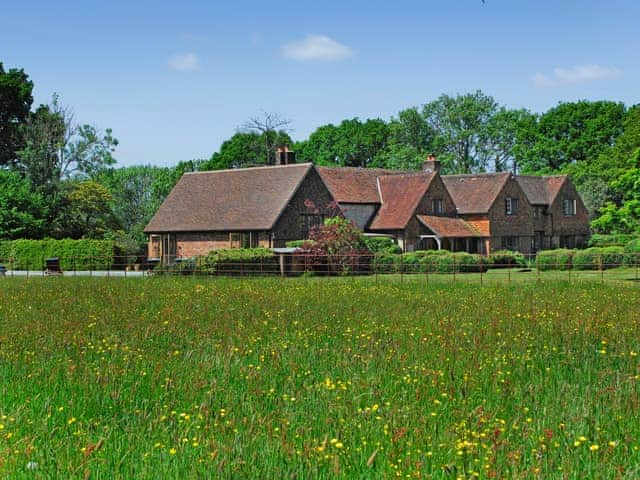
269,206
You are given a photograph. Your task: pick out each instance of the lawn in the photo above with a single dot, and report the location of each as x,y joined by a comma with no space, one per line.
319,378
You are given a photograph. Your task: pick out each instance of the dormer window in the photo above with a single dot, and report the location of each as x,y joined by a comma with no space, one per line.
436,206
511,206
569,207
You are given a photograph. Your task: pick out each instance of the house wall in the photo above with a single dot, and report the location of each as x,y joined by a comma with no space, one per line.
519,225
312,197
359,213
191,244
576,226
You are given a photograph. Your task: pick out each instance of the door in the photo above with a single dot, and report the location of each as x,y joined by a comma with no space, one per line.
168,248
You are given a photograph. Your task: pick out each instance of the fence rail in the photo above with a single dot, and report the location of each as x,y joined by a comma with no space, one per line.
297,264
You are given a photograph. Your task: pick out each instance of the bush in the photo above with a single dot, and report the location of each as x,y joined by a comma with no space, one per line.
602,240
381,244
73,254
632,253
559,259
506,259
6,250
237,261
598,258
385,262
430,261
295,243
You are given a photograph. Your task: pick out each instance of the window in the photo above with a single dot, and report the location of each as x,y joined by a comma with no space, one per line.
436,206
309,221
510,243
569,207
568,241
243,240
511,206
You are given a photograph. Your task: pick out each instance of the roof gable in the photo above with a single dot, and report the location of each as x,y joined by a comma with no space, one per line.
223,200
475,193
400,195
541,190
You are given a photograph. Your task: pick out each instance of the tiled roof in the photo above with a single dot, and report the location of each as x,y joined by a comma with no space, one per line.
541,190
447,227
354,185
400,196
242,199
475,193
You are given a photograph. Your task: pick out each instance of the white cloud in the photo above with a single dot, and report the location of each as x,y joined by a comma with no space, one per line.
188,62
316,47
578,74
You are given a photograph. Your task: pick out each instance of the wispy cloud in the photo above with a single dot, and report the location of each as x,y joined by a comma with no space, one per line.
316,47
188,62
578,74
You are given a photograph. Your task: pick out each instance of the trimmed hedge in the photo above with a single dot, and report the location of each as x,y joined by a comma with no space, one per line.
598,258
430,261
506,259
73,254
295,243
632,253
235,261
559,259
604,240
6,250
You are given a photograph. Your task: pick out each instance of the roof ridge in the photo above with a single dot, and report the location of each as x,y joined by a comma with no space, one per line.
261,167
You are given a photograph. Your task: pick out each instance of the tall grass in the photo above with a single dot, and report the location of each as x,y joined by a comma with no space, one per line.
270,378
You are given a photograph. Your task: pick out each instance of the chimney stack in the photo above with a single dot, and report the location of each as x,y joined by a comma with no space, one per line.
431,164
284,156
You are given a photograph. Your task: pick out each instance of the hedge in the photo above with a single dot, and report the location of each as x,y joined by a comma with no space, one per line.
632,253
381,245
598,258
429,261
73,254
559,259
6,250
606,240
506,259
236,261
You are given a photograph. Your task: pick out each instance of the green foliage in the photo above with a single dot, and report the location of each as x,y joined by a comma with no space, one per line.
296,243
353,143
506,259
632,253
598,258
23,212
236,261
87,211
559,259
247,149
429,261
73,254
381,245
604,240
6,250
15,102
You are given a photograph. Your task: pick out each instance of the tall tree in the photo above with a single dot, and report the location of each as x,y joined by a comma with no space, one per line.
15,103
246,150
459,124
271,128
87,212
572,133
23,211
506,138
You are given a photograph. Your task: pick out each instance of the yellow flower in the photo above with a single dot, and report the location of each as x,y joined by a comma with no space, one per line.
172,451
339,445
594,447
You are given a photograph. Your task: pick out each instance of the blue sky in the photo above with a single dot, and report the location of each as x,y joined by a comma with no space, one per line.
173,80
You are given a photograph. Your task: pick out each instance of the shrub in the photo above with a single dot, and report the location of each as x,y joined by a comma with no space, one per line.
381,244
385,262
632,253
296,243
598,258
73,254
603,240
6,250
559,259
430,261
237,261
469,262
506,259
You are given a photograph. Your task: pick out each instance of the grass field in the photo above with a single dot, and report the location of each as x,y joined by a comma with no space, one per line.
319,378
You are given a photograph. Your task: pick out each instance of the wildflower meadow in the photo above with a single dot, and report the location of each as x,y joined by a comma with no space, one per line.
318,378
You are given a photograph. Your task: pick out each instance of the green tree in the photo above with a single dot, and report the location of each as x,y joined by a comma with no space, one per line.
460,124
506,138
15,103
23,212
573,132
353,143
87,210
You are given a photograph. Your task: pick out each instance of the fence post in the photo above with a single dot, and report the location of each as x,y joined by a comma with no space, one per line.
401,267
480,266
454,269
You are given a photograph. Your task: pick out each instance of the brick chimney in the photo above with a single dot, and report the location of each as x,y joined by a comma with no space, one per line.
431,164
284,156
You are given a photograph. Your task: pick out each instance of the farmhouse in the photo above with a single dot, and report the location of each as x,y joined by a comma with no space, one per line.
269,206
